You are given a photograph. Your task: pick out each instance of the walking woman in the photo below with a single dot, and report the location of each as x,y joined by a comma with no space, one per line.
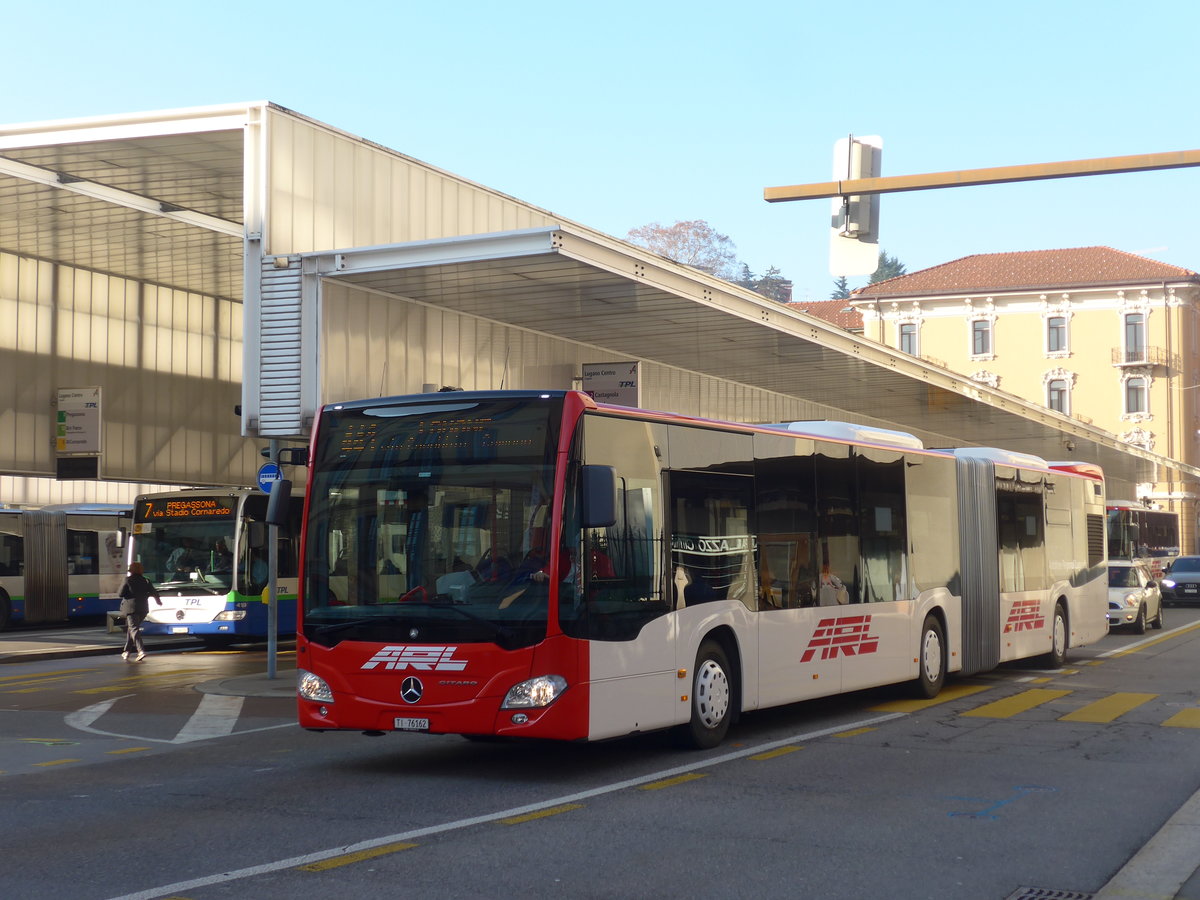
135,605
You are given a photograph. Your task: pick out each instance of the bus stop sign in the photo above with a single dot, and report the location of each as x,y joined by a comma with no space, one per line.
268,474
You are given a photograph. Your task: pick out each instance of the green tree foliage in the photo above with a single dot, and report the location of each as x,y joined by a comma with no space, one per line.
841,289
889,267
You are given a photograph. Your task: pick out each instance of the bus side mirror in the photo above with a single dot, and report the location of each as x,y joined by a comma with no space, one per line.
278,501
599,485
292,456
257,533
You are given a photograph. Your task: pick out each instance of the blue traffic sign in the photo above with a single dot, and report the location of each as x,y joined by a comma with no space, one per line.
268,474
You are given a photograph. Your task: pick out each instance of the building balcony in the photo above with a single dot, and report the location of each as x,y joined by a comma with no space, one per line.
1145,356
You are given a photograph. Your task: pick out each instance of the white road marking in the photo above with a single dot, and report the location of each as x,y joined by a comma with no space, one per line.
214,718
291,863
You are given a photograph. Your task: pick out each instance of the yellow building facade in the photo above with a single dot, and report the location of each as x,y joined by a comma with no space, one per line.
1095,334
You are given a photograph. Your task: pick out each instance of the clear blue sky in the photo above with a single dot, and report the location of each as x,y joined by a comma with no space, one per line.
617,114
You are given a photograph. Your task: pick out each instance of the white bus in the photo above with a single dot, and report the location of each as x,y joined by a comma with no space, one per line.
61,562
536,564
206,551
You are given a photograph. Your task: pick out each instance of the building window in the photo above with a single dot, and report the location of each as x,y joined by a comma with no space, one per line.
908,338
1135,337
1056,334
981,337
1058,396
1135,395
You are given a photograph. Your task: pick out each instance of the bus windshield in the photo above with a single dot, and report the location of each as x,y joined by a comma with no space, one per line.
187,541
429,520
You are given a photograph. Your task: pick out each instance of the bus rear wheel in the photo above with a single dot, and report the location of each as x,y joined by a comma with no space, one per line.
5,611
931,659
1058,639
711,700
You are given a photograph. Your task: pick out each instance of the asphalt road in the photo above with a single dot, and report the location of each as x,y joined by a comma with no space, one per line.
124,780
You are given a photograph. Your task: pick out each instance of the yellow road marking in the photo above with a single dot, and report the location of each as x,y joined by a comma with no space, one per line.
1151,643
57,762
1108,708
854,732
953,692
540,814
68,672
1185,718
671,782
780,751
33,680
350,858
1018,703
128,750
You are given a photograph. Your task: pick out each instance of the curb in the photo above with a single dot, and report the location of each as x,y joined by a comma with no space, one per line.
1168,860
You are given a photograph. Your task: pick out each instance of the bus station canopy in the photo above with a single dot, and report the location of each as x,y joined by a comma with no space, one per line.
177,199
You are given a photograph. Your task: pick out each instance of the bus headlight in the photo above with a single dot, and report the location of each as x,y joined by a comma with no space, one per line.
312,687
536,692
231,615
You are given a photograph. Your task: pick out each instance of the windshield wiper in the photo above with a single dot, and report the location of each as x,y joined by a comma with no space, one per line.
335,627
504,634
500,631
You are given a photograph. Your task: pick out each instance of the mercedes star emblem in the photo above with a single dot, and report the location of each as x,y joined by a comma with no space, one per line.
411,689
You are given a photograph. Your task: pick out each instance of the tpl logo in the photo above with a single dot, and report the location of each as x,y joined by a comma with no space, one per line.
1025,615
843,636
426,659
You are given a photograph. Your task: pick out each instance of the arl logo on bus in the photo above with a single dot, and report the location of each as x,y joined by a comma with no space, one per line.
1026,615
426,659
843,636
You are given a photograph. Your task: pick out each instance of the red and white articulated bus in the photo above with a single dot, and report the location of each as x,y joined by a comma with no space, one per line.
536,564
1140,534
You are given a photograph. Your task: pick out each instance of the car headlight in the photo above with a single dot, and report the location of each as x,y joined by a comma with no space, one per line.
1167,582
1133,599
313,687
536,692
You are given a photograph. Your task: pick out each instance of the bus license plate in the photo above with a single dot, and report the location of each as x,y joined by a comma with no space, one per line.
412,724
179,630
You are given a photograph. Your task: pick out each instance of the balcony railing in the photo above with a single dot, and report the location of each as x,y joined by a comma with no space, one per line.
1144,356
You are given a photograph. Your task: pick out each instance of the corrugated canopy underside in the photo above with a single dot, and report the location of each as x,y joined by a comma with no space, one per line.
200,173
575,290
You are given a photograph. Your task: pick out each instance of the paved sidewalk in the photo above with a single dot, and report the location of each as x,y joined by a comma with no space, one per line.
24,645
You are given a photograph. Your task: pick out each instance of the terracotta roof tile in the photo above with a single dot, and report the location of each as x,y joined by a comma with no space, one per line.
1029,270
837,312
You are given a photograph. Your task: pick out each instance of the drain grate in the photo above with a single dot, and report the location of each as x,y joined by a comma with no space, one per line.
1036,893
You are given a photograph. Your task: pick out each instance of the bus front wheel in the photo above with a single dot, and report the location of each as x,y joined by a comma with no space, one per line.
931,659
711,700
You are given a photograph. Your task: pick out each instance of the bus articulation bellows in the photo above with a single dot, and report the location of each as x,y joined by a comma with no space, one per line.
536,564
61,562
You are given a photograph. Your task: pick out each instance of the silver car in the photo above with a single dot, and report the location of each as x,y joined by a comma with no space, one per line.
1133,597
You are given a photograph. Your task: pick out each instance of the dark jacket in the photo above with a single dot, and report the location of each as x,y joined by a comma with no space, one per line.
135,595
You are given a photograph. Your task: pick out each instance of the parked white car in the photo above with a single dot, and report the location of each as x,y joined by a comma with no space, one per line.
1134,597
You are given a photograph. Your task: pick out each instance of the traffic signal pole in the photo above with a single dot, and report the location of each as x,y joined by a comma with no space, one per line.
1111,165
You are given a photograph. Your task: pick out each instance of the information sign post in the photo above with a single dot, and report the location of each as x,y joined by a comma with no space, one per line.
268,474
